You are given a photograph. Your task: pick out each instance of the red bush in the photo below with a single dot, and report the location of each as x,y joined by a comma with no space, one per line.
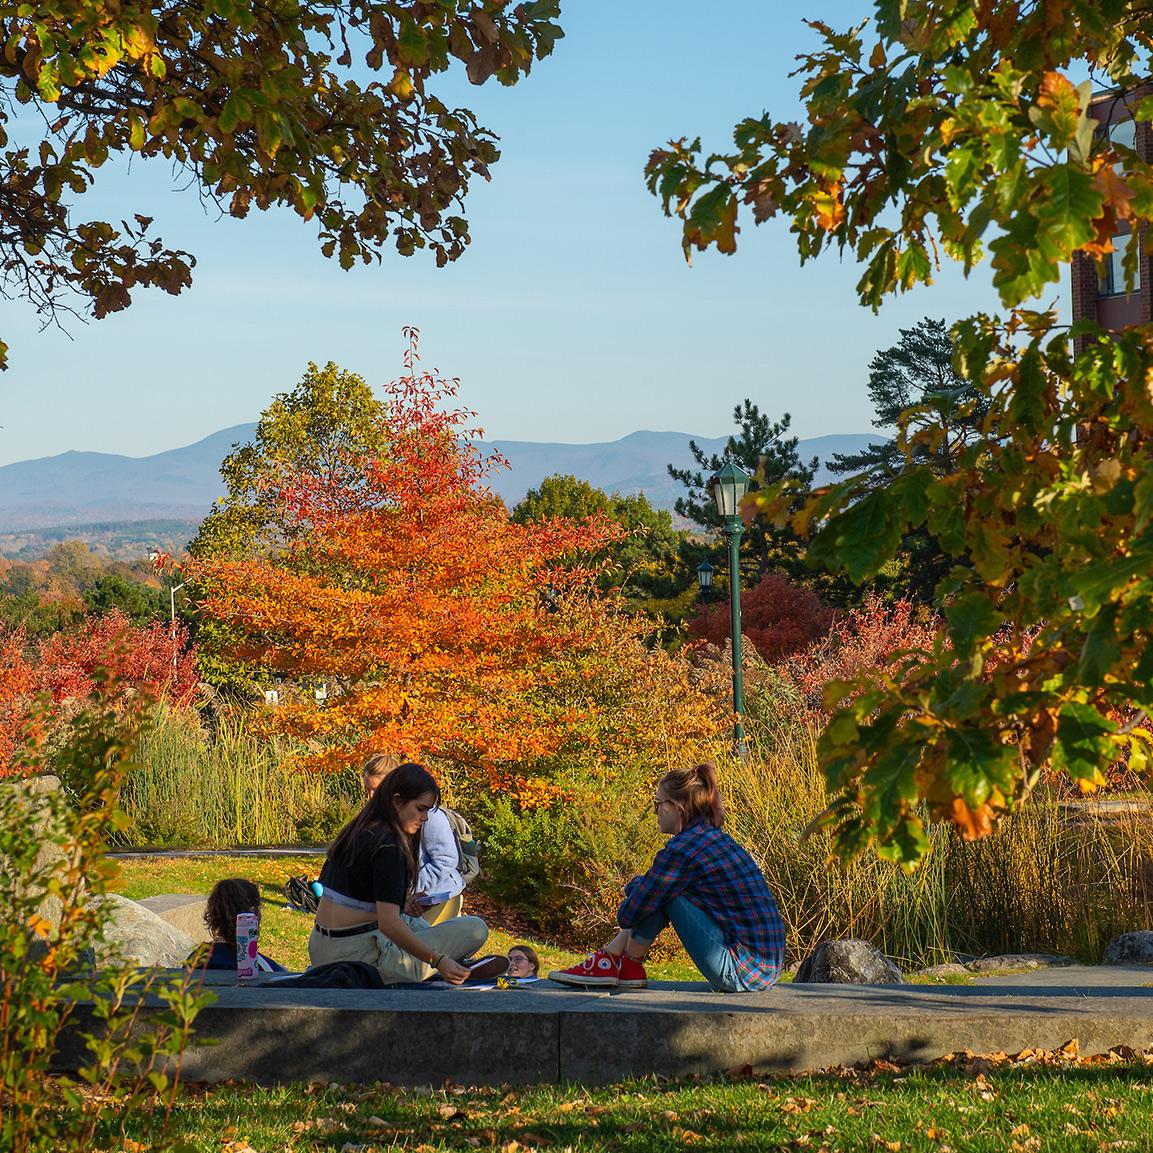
139,657
778,617
139,661
863,638
17,684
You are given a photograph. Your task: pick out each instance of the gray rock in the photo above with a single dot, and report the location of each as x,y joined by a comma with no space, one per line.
35,804
1018,962
183,911
851,962
135,935
1130,948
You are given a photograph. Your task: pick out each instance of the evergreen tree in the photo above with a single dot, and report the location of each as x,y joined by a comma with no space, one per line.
917,373
762,449
914,381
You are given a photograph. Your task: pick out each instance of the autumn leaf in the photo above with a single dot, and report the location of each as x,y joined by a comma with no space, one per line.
975,824
828,207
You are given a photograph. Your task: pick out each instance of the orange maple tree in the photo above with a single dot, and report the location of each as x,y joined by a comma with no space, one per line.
427,614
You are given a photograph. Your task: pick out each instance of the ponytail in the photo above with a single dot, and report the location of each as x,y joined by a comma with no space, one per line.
694,792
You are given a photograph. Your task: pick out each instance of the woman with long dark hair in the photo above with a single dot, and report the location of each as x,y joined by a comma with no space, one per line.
706,886
368,881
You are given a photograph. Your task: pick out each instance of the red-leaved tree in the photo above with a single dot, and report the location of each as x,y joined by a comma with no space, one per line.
779,617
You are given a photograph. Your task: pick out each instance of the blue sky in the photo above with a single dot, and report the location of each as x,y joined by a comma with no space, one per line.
572,317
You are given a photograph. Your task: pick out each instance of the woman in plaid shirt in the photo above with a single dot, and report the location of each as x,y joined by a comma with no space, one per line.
704,884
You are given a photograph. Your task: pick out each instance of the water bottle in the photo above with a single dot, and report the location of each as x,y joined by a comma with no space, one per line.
247,945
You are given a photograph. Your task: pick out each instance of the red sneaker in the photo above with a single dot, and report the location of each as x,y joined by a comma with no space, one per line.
631,974
597,970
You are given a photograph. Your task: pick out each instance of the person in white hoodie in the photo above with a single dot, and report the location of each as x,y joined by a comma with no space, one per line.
439,885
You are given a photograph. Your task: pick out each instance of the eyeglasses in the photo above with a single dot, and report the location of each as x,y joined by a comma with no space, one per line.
657,804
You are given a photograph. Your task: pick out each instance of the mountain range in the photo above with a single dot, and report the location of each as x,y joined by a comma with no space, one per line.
89,488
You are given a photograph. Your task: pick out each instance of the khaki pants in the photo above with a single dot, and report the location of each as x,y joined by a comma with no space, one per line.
445,911
457,938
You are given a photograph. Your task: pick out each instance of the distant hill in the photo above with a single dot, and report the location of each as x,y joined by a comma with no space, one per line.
635,463
86,488
102,490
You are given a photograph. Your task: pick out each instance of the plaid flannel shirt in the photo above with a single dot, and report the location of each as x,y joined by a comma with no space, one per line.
707,867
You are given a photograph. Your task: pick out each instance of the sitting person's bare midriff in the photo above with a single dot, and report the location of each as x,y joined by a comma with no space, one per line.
333,915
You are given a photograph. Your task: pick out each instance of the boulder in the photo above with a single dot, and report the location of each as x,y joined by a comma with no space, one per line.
135,935
851,962
36,806
1130,949
1018,962
183,911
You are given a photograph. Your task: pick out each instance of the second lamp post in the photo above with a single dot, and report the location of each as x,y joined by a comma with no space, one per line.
729,485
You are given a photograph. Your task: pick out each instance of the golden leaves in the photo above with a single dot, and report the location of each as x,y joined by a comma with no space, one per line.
828,207
975,824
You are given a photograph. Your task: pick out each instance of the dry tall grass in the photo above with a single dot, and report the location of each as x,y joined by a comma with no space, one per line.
1055,878
228,787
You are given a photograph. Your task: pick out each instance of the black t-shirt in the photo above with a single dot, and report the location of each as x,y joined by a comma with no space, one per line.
378,872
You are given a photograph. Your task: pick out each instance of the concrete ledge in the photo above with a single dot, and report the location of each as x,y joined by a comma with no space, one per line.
546,1034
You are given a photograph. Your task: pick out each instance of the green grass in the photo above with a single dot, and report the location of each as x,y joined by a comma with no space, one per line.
284,930
1068,1108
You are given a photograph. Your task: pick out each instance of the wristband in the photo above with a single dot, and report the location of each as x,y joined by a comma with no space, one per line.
435,960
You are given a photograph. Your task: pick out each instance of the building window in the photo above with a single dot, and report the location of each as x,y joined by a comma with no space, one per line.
1111,270
1123,132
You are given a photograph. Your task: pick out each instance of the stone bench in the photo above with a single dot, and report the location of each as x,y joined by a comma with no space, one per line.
549,1034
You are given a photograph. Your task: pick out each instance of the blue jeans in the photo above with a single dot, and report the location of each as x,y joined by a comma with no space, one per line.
702,938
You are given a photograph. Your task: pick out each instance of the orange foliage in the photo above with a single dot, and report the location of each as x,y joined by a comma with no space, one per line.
427,612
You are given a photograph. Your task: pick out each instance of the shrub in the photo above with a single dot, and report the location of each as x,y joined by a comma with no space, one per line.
51,877
529,858
147,658
866,637
780,618
110,659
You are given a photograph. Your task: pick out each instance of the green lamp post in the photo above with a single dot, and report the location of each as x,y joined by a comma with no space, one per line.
729,485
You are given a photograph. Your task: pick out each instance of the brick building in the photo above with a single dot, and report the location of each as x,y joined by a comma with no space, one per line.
1098,287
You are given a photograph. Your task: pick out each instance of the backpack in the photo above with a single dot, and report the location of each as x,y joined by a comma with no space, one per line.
300,894
467,846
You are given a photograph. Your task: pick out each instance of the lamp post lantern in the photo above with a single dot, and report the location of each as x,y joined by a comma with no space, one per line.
705,578
729,485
